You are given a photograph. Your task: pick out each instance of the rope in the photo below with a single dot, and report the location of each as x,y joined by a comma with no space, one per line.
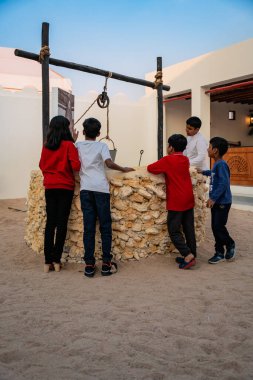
85,111
158,79
107,137
44,51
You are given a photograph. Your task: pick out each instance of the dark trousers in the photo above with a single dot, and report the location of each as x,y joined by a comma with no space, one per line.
58,204
184,242
96,205
222,238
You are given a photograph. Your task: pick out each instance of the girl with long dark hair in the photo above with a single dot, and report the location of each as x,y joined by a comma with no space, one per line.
59,159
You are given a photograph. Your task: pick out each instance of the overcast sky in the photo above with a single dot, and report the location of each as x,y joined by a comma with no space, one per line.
124,36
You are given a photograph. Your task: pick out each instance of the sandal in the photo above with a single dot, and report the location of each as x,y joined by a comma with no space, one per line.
109,268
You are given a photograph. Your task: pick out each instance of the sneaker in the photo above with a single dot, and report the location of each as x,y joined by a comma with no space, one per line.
89,270
217,258
109,268
179,260
187,265
230,254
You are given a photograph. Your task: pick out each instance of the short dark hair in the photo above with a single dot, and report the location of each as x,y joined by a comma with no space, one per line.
194,122
58,131
178,142
221,144
91,127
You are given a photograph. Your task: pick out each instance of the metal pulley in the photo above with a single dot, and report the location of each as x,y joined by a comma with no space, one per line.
103,99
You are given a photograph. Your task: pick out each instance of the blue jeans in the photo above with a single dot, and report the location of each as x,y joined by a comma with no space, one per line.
219,218
96,205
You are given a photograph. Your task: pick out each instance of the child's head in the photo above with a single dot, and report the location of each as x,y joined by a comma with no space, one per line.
177,142
58,131
217,147
193,125
91,128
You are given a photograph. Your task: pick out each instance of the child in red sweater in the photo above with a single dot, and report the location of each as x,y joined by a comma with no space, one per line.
179,199
59,159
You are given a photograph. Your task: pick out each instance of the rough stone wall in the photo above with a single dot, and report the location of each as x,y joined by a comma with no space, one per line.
139,215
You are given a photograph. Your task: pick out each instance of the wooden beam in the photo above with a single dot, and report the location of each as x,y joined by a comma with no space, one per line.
89,69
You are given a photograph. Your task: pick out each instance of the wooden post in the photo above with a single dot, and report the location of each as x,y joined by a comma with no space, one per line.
160,112
45,81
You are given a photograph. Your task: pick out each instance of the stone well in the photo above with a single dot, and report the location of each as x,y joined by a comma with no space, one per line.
138,209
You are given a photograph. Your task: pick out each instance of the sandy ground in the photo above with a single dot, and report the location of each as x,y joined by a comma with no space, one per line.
148,321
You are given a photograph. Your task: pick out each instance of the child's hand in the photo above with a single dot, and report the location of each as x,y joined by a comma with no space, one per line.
126,170
75,134
210,203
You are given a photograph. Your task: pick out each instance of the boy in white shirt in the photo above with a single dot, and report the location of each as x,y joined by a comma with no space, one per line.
95,196
197,145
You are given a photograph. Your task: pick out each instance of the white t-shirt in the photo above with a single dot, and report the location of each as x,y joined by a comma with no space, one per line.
92,155
196,151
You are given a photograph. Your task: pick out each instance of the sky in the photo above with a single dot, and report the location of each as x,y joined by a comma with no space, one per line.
124,36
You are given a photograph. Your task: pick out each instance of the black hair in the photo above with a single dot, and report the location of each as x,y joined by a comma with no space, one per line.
194,122
178,142
58,131
221,144
91,127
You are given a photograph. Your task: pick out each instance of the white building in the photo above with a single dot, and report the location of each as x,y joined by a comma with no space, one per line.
133,125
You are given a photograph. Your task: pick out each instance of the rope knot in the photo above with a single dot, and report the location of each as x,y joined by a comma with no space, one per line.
44,51
158,79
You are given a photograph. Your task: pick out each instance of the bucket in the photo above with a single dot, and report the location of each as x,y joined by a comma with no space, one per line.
113,154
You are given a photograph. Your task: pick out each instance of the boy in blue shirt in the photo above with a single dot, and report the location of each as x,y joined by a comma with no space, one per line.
220,200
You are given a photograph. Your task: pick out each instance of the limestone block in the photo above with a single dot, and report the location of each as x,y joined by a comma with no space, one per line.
152,231
140,207
144,193
122,236
120,205
116,217
136,198
137,227
125,192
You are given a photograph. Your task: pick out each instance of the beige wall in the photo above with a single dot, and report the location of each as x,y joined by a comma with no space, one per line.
21,140
176,114
232,130
131,129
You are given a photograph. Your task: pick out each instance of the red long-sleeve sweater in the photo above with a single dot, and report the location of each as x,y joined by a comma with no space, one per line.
179,193
58,165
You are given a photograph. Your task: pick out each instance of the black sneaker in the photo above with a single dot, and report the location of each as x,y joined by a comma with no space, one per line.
179,259
230,254
109,268
89,270
217,258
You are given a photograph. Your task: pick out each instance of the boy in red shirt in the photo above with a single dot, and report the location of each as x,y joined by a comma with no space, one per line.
179,199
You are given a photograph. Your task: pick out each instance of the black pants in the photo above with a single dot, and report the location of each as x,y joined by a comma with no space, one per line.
96,205
185,242
58,204
222,238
